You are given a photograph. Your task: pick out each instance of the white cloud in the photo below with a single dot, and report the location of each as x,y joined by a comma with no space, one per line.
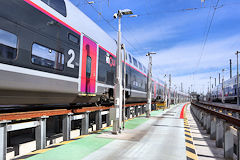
181,61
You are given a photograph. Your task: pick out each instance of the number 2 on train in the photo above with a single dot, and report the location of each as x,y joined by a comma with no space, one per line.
71,53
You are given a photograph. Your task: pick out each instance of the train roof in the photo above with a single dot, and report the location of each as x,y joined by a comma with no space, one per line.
88,27
80,23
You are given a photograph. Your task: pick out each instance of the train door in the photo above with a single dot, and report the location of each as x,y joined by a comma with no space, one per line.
88,74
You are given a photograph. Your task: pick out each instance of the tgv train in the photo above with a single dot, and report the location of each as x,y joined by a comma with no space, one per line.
229,91
52,53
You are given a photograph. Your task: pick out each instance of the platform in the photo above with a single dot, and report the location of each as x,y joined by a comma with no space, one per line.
161,137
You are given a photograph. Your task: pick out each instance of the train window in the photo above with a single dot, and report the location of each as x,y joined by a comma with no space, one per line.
88,68
58,5
110,77
130,58
135,62
47,57
8,45
140,66
103,56
145,70
73,38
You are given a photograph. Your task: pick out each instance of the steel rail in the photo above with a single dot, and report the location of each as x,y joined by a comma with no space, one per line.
220,107
230,119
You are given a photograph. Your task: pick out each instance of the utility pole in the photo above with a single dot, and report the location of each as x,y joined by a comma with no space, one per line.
163,93
124,87
237,79
169,91
165,90
219,75
149,91
210,88
118,83
222,86
117,120
230,68
215,82
175,95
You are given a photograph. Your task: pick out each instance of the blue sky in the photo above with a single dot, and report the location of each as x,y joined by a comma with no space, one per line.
176,34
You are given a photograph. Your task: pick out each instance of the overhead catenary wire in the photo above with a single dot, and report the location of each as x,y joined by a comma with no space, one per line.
180,10
206,37
127,41
205,40
204,33
99,13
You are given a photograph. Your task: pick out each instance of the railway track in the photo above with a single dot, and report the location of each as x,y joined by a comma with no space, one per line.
227,105
223,125
230,115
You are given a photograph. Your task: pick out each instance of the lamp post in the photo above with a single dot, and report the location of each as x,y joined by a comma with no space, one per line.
237,79
222,86
165,87
175,94
169,91
149,82
210,88
117,120
165,90
124,87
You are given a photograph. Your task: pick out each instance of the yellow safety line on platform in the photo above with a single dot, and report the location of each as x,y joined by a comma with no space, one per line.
190,148
40,151
188,133
191,155
65,142
189,145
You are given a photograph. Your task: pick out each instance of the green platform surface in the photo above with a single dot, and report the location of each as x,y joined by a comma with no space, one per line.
80,148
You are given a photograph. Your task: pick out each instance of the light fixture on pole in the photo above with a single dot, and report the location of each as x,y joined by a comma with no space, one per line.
135,15
149,82
117,111
91,2
237,79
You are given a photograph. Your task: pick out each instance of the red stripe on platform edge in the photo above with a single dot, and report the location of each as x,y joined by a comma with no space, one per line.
182,112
